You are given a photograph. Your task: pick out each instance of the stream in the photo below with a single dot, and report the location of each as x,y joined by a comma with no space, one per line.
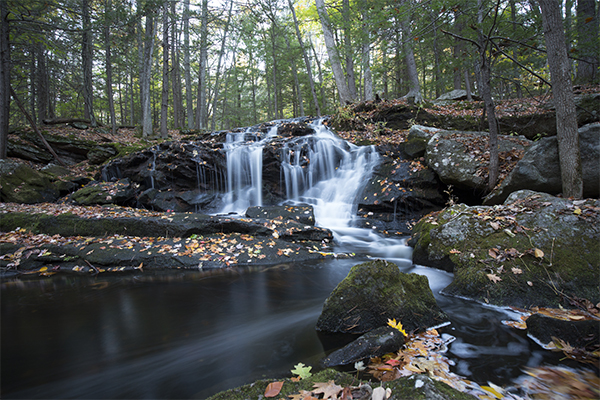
170,334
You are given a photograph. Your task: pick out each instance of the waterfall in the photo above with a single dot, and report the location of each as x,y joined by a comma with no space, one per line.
244,169
327,172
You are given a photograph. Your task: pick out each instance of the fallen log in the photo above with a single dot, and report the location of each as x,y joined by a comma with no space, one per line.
57,121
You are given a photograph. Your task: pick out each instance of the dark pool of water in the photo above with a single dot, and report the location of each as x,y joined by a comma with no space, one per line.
190,335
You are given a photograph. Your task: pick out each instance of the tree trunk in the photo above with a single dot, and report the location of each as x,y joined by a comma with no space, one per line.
564,102
176,74
109,73
350,77
306,61
588,41
146,74
274,71
42,83
87,61
366,59
164,99
334,57
189,105
296,81
414,91
221,54
320,70
202,111
4,79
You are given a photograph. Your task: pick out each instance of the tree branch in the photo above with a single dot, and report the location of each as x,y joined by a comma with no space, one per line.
519,64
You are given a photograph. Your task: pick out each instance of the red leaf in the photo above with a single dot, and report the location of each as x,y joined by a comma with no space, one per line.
273,389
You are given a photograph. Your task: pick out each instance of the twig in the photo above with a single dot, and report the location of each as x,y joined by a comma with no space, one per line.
91,266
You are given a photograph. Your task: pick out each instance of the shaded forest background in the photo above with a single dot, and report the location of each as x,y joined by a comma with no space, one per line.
195,64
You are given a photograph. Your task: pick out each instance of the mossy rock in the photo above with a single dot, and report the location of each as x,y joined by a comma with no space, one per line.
416,387
492,250
119,192
374,292
22,184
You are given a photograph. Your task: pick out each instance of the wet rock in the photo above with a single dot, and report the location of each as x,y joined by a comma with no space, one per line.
301,214
121,192
374,292
491,250
447,154
22,184
399,193
375,343
539,169
579,334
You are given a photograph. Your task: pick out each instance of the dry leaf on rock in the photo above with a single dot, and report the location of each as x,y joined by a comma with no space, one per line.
494,278
329,389
273,389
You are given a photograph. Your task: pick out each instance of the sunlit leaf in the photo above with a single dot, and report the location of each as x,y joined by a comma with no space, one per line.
302,370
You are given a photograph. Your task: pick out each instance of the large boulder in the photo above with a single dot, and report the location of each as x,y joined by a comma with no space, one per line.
121,192
454,95
460,159
22,184
374,292
417,139
531,251
539,169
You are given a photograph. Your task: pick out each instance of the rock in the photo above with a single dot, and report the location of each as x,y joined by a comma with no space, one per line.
492,250
22,184
579,334
70,149
375,343
398,194
416,142
455,95
417,387
539,169
121,192
27,151
101,153
447,154
374,292
300,214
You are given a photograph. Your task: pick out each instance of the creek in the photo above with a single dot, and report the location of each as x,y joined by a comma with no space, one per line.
189,335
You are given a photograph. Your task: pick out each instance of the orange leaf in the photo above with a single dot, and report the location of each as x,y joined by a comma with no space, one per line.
273,389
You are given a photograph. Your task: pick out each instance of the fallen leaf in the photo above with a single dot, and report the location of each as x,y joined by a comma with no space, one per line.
329,389
454,251
538,253
494,278
273,389
495,225
516,271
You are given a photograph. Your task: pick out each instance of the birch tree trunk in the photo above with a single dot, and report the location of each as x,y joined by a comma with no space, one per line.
146,75
564,102
87,59
306,61
350,76
176,73
366,60
108,63
296,81
189,105
164,100
334,57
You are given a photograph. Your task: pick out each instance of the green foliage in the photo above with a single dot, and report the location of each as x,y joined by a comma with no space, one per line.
302,371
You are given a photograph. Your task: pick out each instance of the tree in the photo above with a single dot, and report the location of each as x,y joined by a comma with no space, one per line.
334,57
109,73
564,102
202,113
4,79
87,62
588,41
186,65
164,102
306,60
146,72
414,92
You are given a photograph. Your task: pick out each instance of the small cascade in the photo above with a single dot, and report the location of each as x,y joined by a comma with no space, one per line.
327,172
244,169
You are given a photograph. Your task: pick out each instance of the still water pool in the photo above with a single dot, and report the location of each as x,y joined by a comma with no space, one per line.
190,335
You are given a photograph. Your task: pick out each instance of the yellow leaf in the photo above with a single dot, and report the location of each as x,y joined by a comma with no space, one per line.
43,269
397,325
492,391
538,253
577,211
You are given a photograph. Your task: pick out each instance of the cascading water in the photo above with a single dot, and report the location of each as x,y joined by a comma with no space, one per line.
327,172
244,169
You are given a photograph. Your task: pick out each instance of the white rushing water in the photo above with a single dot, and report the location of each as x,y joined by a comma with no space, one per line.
322,170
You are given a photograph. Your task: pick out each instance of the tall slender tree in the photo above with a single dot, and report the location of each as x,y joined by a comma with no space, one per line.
108,63
187,66
87,62
4,79
146,73
564,101
164,100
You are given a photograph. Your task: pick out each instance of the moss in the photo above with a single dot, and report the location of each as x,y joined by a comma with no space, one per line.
404,388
